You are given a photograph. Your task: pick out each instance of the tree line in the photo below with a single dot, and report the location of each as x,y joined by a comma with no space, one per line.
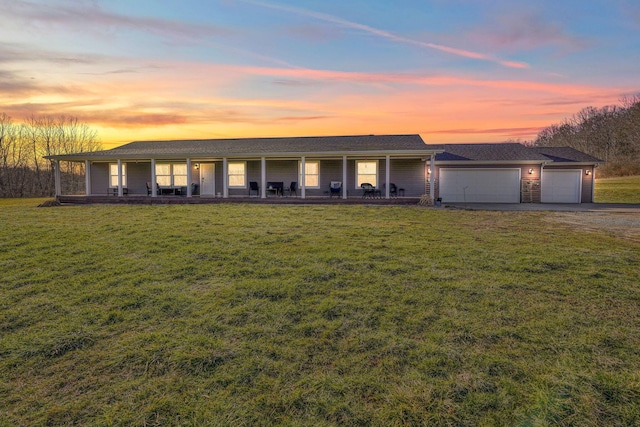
24,172
610,133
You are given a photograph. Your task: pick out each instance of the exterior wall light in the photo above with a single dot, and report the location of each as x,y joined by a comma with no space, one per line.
587,172
530,171
197,165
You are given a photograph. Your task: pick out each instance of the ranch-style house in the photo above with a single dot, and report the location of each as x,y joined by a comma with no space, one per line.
340,167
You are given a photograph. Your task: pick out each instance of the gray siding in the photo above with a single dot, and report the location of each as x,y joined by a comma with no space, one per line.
99,178
138,174
409,174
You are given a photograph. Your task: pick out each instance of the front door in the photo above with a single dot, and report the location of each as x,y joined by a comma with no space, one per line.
207,179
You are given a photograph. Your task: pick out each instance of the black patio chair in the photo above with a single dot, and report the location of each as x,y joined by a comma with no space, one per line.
335,188
293,188
393,189
253,186
368,190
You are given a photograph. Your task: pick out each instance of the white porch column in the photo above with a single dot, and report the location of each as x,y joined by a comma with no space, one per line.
387,173
57,180
303,194
432,164
344,177
120,178
225,178
263,177
154,187
87,177
188,177
593,185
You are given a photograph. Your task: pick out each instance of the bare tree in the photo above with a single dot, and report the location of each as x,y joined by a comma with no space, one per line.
23,169
610,133
13,162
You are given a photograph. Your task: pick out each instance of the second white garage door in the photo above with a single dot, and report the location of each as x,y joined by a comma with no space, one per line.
561,186
480,185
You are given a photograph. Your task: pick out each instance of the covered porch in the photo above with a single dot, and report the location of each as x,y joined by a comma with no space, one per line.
264,177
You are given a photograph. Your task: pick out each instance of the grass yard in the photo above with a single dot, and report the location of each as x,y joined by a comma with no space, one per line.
243,315
618,190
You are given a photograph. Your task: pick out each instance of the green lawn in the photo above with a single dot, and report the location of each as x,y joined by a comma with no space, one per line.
242,315
618,190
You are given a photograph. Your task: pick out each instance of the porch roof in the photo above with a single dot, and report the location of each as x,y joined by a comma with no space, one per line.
268,147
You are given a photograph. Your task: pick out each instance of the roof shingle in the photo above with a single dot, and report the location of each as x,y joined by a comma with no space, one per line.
488,152
565,154
267,146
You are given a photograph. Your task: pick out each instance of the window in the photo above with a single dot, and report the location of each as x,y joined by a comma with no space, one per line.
163,175
113,174
180,174
171,174
366,171
236,174
311,175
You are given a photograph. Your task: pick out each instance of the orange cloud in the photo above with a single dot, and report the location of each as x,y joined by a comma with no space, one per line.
193,100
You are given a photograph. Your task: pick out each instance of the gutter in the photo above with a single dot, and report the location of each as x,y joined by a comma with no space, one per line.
174,156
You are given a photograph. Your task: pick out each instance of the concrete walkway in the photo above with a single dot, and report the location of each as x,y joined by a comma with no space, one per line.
555,207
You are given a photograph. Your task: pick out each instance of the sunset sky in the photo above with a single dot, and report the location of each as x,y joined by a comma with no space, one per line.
450,70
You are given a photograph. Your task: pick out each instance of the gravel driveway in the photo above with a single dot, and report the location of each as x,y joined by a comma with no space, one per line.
621,224
618,219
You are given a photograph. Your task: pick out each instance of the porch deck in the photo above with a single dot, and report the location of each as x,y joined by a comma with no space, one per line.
148,200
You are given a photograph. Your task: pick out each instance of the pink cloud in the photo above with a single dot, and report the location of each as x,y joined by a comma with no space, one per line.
413,79
89,17
524,31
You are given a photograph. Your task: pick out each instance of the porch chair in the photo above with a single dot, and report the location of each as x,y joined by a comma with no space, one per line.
293,188
368,190
149,189
335,188
393,189
253,186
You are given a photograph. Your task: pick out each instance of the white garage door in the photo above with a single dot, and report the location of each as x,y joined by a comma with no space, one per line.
561,186
480,185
